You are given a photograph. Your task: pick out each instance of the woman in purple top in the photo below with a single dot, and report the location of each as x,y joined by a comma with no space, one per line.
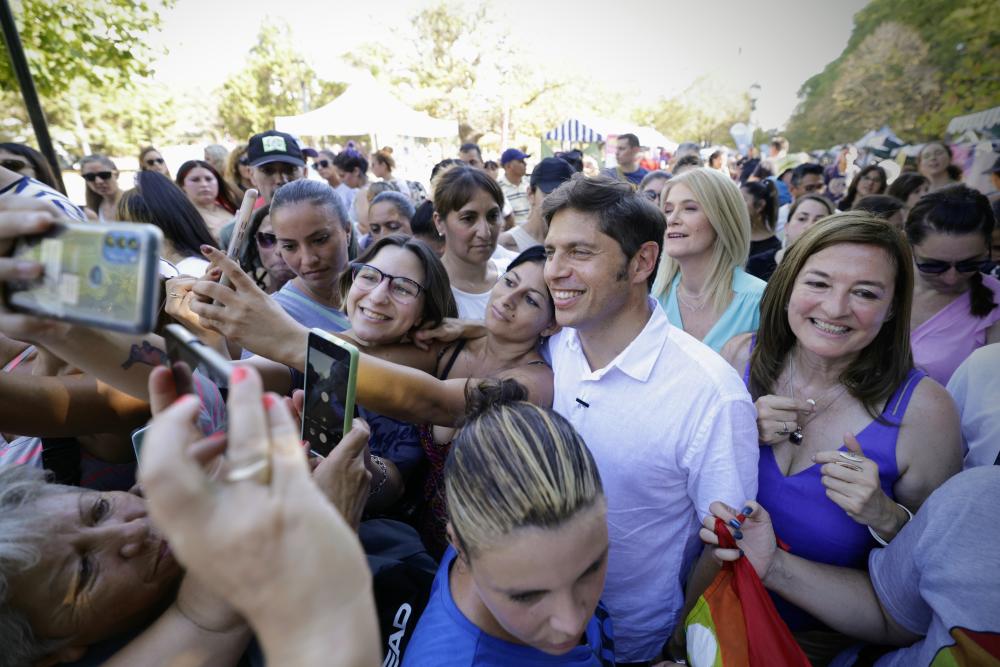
954,305
853,438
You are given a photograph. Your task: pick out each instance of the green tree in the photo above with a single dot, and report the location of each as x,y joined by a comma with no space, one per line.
276,81
703,112
953,46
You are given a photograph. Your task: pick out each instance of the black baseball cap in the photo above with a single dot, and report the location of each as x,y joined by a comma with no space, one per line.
550,173
273,146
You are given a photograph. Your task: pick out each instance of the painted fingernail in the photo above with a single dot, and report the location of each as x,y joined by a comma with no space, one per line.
238,375
738,534
747,510
268,401
206,249
735,524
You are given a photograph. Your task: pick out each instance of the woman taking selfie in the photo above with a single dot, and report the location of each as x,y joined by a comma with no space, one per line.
527,528
103,191
853,437
955,307
209,193
701,283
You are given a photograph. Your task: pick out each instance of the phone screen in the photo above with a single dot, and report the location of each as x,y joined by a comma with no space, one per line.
328,370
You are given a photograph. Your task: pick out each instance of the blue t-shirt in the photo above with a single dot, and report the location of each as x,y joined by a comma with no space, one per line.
307,312
444,637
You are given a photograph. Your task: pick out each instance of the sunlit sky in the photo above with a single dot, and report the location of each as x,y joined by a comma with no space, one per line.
646,48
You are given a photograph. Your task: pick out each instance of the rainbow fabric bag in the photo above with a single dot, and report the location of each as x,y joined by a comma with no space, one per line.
734,623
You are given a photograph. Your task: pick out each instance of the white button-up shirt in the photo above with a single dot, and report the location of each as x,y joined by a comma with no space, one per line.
672,428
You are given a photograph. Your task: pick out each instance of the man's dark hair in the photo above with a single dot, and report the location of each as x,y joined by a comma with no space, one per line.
627,217
689,161
633,141
465,148
780,143
805,169
350,159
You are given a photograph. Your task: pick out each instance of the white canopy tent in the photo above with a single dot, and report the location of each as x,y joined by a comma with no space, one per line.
366,108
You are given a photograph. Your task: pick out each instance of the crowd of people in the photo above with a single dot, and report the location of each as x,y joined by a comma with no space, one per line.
565,377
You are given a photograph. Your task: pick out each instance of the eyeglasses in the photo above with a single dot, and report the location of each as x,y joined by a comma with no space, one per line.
402,290
266,240
939,266
154,160
93,176
13,165
321,164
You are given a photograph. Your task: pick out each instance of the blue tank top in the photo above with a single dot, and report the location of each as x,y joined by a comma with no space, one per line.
813,526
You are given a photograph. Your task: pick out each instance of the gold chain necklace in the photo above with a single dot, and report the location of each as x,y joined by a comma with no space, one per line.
700,301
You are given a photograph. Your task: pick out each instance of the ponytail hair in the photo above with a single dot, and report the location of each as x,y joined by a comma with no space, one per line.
767,191
514,465
956,209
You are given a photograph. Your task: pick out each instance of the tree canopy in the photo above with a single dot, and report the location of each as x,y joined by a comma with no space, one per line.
911,65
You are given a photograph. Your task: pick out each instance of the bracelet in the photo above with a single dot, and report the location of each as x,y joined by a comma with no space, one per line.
909,517
380,464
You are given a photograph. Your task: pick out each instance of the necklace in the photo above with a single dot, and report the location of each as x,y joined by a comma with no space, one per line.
700,301
796,437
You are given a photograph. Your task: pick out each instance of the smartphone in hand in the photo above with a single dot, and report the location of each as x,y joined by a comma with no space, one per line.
99,275
182,345
331,376
241,237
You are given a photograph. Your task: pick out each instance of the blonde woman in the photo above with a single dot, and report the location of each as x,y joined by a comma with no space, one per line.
527,523
701,283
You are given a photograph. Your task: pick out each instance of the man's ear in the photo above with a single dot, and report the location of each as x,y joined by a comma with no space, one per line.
644,261
551,330
65,654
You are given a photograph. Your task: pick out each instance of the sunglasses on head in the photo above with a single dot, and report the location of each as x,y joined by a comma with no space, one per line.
266,239
938,266
154,160
103,175
321,164
13,165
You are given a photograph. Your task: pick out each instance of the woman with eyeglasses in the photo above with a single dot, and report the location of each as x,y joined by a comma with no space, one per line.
103,191
323,164
955,307
26,161
871,180
150,159
210,194
262,261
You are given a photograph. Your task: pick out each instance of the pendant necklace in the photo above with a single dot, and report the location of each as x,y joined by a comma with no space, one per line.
796,437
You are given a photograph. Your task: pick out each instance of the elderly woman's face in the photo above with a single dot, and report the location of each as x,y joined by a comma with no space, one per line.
103,569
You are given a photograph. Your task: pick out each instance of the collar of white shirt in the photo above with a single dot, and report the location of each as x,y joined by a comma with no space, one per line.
639,357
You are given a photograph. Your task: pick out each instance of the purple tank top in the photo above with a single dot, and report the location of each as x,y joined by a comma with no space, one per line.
812,525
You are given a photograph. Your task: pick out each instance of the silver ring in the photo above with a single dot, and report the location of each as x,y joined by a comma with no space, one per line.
784,429
258,470
851,456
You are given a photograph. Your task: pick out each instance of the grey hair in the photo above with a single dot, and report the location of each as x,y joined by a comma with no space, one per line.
398,200
315,193
21,538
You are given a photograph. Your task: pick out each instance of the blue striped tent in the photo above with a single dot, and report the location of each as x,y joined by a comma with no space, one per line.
575,131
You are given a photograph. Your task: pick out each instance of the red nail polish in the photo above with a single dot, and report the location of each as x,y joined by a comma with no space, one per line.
206,249
238,375
268,401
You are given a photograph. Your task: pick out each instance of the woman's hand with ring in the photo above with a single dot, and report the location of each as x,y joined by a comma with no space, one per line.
778,416
254,542
852,482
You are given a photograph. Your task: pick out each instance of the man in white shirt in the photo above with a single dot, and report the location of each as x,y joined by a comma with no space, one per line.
514,187
669,423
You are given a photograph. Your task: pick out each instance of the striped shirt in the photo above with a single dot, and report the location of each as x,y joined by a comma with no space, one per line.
517,195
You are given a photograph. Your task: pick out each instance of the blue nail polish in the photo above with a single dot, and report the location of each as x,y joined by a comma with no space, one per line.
735,524
747,511
738,534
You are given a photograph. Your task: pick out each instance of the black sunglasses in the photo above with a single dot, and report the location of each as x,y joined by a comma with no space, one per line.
266,240
154,160
321,164
13,165
939,266
103,175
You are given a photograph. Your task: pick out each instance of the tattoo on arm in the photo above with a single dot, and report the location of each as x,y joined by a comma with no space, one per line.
145,354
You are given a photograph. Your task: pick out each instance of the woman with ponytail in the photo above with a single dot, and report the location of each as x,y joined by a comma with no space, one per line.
527,527
954,305
762,204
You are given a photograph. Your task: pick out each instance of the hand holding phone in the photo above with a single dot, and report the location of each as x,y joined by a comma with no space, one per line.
182,345
331,376
96,275
240,239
